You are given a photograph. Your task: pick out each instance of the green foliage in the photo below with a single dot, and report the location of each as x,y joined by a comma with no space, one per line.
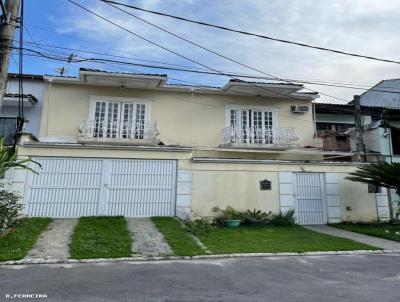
10,210
199,225
380,174
270,238
177,236
19,240
255,217
9,159
382,230
101,237
228,214
283,218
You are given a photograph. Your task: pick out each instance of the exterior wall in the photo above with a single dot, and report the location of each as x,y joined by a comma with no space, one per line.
33,113
184,118
203,185
237,185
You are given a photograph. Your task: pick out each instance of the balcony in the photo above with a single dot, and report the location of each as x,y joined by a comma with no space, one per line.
118,132
259,137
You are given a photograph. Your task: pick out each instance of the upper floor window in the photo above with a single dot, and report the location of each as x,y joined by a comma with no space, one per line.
112,119
252,125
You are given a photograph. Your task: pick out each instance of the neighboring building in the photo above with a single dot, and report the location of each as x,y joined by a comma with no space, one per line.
334,123
133,145
380,107
32,100
383,136
383,103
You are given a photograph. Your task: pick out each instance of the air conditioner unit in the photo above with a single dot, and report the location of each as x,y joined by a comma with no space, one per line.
299,108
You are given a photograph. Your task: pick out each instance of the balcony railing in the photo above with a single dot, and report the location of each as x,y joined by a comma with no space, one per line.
118,130
258,135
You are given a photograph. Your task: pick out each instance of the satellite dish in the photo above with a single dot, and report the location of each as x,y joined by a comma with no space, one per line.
61,70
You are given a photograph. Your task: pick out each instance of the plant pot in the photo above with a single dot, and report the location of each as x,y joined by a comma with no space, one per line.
232,223
254,222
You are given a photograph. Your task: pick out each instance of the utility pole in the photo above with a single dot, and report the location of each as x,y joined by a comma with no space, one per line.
9,22
358,127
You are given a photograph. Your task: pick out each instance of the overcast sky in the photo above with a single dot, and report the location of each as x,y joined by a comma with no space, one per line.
369,27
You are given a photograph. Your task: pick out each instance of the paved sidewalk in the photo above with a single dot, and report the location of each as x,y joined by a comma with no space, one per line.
374,241
53,244
147,240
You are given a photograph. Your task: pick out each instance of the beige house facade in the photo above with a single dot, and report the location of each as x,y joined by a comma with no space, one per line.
133,145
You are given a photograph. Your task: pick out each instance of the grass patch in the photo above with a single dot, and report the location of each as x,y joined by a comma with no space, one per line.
16,244
387,231
101,237
177,237
264,239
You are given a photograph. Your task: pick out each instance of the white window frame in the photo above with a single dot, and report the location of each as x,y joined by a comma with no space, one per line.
228,109
97,98
121,100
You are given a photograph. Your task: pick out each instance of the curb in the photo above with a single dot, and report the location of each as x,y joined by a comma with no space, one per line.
200,257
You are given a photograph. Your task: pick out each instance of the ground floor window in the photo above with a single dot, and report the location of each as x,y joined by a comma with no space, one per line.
7,129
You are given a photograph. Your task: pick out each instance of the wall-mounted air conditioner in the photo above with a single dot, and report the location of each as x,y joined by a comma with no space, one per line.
299,108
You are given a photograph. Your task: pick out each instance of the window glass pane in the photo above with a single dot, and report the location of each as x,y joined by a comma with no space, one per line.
7,129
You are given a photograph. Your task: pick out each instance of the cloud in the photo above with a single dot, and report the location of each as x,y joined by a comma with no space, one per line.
361,26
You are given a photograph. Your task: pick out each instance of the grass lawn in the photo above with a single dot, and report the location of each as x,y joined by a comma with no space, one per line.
101,237
387,231
177,237
274,239
16,244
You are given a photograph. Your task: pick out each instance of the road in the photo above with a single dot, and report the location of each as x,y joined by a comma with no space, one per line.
323,278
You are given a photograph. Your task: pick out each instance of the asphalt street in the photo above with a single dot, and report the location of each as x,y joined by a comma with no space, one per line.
297,278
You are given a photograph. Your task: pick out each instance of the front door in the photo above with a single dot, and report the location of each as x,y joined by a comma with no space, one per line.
310,202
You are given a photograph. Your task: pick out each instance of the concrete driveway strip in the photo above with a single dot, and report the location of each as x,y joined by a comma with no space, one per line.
53,244
374,241
147,240
285,279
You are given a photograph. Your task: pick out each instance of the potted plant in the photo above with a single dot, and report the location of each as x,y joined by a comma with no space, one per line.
229,217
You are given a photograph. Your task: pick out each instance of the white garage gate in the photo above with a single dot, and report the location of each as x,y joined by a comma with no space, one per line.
73,187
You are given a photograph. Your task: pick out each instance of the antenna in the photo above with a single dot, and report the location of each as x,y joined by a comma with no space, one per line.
61,71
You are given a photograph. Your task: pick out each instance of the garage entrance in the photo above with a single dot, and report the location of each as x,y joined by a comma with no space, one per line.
73,187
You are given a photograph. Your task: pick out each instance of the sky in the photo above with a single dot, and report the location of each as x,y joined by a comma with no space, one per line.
368,27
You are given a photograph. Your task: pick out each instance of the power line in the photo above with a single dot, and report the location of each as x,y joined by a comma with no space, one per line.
103,47
185,57
254,34
280,112
116,62
217,53
176,53
165,63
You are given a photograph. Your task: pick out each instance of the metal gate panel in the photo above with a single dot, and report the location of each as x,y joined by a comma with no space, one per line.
310,203
64,187
73,187
141,188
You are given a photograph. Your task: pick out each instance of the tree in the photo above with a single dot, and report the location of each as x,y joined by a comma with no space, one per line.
380,174
9,159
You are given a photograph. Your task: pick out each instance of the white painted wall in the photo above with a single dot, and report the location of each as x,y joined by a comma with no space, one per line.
33,113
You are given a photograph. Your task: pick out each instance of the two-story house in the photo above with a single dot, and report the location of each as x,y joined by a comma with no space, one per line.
134,145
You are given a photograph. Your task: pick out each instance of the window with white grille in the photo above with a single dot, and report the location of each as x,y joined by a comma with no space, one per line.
113,119
254,126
